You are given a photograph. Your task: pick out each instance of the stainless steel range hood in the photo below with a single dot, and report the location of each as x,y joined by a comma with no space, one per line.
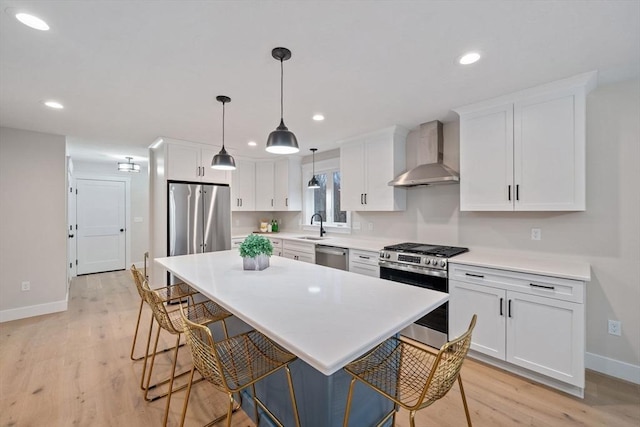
430,170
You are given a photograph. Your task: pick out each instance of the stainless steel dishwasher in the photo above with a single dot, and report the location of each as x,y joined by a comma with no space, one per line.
332,256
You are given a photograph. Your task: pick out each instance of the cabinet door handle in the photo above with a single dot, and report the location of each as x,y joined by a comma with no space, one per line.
501,301
364,257
518,192
509,192
286,201
271,202
365,198
362,198
475,275
240,202
551,288
509,309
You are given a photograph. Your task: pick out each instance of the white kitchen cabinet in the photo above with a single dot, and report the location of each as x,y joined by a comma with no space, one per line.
300,251
529,321
192,162
243,181
526,151
364,262
367,164
288,184
236,242
265,190
277,245
279,185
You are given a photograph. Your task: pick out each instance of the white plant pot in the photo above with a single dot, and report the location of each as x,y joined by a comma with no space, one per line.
259,262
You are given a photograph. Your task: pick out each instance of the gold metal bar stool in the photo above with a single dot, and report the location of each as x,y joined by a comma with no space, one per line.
176,292
234,364
202,313
411,375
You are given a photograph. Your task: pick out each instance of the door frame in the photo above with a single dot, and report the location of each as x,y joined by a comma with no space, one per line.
127,208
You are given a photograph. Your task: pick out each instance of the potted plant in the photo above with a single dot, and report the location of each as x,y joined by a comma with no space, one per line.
255,251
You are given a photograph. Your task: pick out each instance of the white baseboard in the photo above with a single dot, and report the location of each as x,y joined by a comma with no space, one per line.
614,368
32,310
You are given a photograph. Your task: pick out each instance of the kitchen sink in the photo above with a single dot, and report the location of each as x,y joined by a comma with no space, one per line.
310,238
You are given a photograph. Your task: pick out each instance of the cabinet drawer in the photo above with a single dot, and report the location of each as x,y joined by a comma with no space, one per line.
299,256
533,284
367,270
363,257
277,243
236,242
309,248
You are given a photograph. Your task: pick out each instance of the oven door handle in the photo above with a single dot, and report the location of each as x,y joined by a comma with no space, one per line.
412,269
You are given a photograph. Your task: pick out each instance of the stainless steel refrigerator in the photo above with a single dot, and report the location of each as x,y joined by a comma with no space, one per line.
199,219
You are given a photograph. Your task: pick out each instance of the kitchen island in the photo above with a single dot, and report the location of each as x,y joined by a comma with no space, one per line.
326,317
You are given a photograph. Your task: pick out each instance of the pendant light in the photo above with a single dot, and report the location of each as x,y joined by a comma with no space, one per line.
313,182
129,166
223,160
281,140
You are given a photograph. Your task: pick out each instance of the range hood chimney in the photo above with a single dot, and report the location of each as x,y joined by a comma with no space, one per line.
430,170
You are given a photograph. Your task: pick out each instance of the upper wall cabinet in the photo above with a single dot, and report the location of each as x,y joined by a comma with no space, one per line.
367,164
526,151
192,162
279,185
243,181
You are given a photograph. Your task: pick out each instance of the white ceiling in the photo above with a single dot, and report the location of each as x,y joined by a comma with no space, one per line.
130,71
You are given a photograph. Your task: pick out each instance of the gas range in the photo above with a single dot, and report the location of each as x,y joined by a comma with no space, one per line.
419,255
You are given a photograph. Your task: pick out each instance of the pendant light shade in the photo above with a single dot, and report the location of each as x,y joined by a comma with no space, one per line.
128,166
282,140
313,182
223,160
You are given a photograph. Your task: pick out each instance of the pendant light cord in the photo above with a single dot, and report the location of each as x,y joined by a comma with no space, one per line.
223,125
281,91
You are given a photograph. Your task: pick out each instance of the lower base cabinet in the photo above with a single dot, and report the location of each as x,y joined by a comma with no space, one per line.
299,251
364,262
528,321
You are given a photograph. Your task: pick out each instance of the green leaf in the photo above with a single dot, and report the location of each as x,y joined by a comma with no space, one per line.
255,245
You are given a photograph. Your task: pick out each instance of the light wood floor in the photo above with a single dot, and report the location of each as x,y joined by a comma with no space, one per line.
73,369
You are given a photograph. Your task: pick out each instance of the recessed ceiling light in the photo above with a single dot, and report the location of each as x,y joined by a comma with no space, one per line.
32,21
318,117
54,104
469,58
252,144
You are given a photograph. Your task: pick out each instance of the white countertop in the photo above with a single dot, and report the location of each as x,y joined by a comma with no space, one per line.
327,317
346,241
526,263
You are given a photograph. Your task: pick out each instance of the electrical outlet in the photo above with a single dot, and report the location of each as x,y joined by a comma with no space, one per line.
536,234
355,225
615,327
26,286
370,226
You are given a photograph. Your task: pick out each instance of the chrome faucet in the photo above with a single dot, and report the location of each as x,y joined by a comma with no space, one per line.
322,232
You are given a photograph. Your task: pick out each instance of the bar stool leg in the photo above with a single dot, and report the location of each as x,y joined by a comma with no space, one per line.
464,400
186,398
135,335
348,408
293,396
173,373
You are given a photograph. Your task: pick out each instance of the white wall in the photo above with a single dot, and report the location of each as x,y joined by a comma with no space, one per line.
607,234
33,226
139,201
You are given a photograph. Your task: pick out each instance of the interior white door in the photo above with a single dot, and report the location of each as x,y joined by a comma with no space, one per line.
101,225
71,219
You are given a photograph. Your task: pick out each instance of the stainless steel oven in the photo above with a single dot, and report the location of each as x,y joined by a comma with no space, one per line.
425,266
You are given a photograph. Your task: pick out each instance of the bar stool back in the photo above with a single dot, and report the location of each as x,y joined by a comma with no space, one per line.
234,364
411,375
201,313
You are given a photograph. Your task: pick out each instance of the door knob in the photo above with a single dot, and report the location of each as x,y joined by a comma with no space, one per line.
71,236
122,230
